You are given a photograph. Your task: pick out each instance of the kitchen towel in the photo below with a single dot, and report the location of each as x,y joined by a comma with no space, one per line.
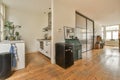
14,55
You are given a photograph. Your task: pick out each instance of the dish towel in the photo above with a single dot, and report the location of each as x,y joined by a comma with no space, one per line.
14,55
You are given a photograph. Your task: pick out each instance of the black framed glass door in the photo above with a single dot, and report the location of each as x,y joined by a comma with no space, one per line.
90,38
85,31
81,31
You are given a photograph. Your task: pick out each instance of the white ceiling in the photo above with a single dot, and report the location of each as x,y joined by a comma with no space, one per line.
105,12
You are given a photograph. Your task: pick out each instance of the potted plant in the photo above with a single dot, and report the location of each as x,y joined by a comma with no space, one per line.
17,36
10,30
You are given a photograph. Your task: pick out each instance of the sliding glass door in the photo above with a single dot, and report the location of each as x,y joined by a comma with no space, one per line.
85,31
81,31
89,34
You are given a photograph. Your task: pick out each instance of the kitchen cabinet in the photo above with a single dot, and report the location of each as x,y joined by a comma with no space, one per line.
45,47
5,47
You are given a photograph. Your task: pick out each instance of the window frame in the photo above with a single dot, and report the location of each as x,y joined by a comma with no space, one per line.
114,30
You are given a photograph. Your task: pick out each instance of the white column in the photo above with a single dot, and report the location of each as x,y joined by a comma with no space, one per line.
2,20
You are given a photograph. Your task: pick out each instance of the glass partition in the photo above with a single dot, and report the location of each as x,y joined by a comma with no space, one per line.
81,31
85,31
89,34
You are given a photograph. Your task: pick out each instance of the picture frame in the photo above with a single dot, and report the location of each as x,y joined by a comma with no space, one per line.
69,33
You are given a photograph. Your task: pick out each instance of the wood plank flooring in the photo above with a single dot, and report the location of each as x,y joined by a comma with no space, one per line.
99,64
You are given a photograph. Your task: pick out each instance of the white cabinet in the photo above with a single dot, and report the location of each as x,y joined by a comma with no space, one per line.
21,55
5,47
45,47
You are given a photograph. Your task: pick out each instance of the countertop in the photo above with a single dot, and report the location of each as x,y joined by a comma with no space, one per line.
10,42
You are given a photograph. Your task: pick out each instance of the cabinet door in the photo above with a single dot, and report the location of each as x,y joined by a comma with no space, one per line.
21,55
41,46
4,48
47,48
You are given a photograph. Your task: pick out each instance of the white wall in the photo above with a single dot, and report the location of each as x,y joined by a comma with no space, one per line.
98,29
63,15
32,25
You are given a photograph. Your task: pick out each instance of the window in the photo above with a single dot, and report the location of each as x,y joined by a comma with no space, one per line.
112,32
102,28
108,35
115,34
116,27
102,35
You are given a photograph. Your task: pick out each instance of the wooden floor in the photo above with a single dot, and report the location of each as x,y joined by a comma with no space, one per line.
100,64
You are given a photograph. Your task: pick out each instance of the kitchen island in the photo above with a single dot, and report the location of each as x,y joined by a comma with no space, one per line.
20,45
